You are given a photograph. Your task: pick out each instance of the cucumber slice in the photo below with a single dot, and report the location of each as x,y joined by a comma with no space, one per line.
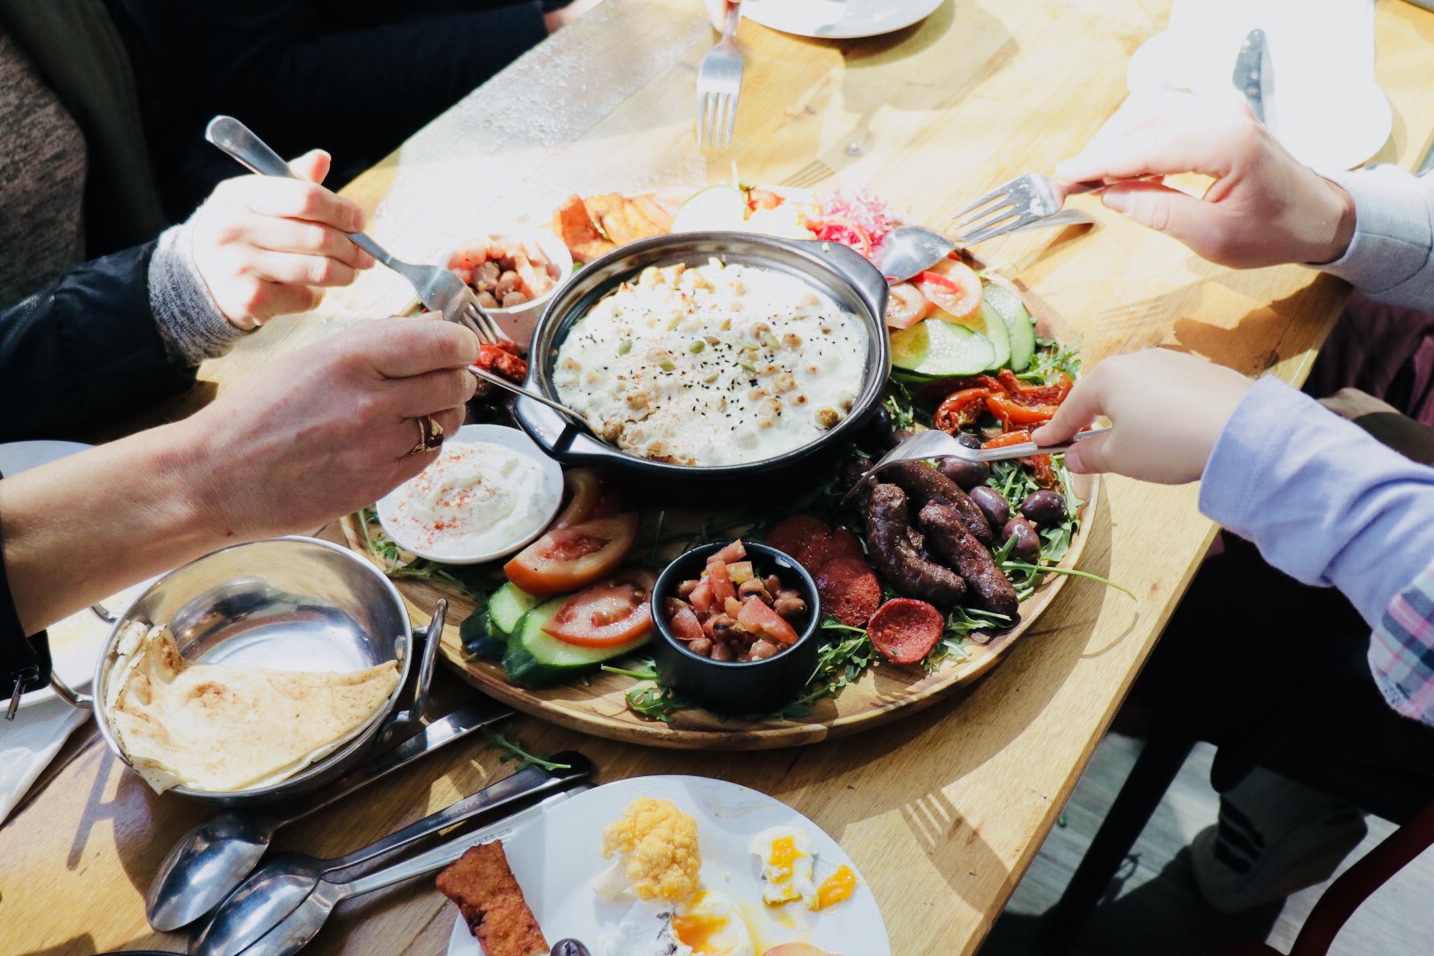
536,659
936,348
479,639
716,208
1020,326
506,608
989,323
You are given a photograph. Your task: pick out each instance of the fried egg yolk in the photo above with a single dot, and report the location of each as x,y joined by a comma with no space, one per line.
786,857
714,926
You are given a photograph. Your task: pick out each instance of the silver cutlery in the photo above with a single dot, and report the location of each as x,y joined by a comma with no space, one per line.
908,251
281,886
295,930
516,389
1251,74
215,856
438,288
1017,203
719,83
934,443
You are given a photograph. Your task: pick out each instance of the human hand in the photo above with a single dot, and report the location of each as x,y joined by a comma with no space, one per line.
266,246
1166,411
326,430
1263,208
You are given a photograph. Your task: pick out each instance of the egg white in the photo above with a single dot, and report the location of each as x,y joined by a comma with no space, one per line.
782,882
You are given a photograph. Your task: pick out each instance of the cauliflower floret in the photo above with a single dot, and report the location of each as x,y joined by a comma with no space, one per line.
658,847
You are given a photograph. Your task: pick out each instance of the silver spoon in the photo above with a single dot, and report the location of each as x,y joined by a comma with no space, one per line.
910,250
301,925
282,885
214,857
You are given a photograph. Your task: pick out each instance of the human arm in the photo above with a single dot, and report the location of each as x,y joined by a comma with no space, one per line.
317,434
1323,501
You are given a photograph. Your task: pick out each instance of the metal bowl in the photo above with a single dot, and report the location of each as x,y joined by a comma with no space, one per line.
831,269
291,603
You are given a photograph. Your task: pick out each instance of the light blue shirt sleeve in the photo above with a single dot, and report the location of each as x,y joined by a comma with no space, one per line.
1322,500
1391,257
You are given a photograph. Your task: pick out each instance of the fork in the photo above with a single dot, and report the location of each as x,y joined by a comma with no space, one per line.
437,288
1018,203
934,443
719,82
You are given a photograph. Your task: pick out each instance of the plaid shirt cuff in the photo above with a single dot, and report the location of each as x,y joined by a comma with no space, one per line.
1401,654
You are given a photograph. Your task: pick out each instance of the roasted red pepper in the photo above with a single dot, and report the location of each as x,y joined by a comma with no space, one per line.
1009,438
961,408
1012,412
502,358
1034,394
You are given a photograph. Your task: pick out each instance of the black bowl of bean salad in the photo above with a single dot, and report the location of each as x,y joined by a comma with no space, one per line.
747,658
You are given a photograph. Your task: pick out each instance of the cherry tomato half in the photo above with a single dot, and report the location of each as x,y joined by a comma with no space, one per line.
957,292
613,612
905,306
566,559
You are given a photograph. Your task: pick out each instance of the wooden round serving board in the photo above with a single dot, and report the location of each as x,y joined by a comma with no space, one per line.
886,691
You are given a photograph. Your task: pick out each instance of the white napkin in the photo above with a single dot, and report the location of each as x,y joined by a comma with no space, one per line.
28,744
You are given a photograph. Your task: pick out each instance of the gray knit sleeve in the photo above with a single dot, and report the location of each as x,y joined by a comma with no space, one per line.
191,324
1392,255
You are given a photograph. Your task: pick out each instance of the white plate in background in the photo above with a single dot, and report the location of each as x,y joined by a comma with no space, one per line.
555,858
838,19
1322,101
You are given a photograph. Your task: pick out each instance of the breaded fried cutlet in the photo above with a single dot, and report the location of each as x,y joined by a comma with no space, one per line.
575,226
491,901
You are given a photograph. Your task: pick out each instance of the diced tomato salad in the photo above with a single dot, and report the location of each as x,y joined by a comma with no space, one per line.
732,613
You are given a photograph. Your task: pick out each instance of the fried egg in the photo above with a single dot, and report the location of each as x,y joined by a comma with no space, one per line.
645,930
786,856
714,926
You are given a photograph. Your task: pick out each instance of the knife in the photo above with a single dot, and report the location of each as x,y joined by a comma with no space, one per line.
1252,69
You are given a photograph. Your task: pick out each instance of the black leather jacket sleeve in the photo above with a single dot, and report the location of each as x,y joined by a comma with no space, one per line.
85,349
22,659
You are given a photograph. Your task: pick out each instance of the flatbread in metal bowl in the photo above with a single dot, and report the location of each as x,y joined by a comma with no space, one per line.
223,729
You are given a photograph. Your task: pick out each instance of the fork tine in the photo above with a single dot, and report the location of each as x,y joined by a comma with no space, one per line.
987,217
731,120
991,232
999,192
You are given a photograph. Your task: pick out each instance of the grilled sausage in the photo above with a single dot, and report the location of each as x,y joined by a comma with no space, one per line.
925,484
947,536
888,536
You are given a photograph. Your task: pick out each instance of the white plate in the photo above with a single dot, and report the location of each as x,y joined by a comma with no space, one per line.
511,438
1322,101
555,858
76,641
838,19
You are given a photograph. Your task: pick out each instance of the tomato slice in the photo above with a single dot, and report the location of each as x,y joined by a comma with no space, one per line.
905,306
957,293
566,559
763,199
843,230
613,612
583,491
720,581
757,617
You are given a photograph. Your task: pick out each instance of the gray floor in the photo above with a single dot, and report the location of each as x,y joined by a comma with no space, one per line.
1154,907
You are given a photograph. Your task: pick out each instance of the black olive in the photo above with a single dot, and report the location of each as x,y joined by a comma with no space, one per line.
967,474
1028,543
1044,507
996,509
569,947
968,440
878,432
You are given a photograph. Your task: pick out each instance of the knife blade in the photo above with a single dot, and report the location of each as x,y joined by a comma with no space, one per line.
1251,75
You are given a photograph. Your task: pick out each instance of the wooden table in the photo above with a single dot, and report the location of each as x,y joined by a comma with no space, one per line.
944,811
